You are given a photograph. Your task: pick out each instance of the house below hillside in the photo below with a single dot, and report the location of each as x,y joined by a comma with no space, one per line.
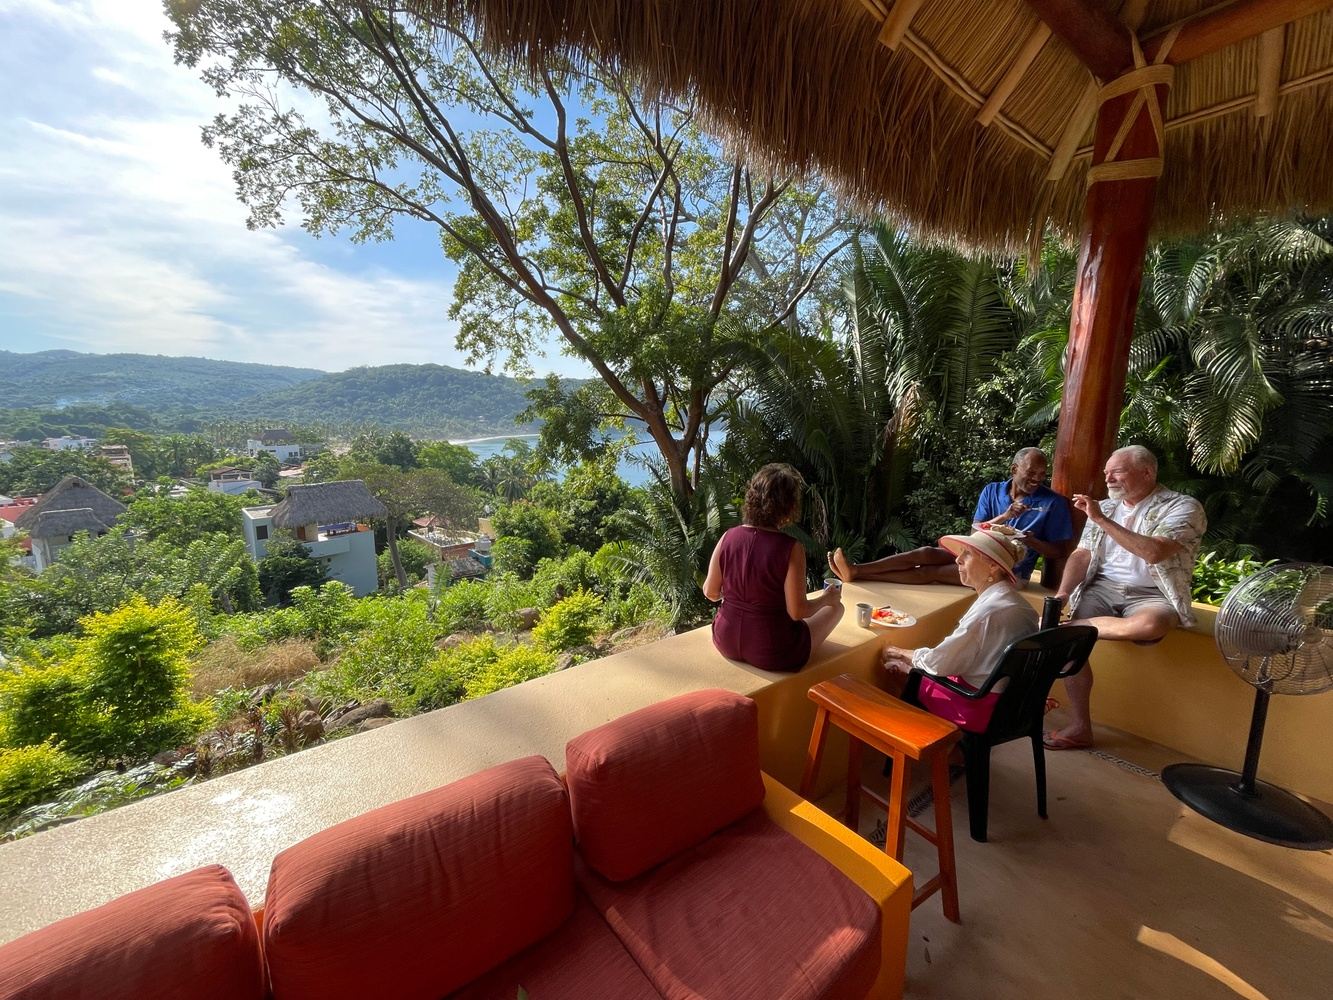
71,506
280,444
327,518
232,481
118,455
68,442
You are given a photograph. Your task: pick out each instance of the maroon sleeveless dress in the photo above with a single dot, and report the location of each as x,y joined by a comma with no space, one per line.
753,625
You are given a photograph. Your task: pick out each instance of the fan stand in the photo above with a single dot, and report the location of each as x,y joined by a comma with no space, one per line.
1242,803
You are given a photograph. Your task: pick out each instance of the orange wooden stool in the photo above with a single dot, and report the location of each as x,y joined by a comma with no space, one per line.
905,733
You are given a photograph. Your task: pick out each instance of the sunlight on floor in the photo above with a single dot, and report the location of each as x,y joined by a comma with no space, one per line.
1169,944
1280,868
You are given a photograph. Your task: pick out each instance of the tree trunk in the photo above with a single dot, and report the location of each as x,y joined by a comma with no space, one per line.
391,534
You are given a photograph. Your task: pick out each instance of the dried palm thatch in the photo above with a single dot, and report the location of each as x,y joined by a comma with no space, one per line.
326,503
63,523
808,84
72,494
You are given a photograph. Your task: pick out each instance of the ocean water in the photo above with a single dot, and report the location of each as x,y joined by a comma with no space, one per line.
630,470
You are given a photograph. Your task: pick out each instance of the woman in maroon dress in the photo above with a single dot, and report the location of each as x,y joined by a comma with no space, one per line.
759,575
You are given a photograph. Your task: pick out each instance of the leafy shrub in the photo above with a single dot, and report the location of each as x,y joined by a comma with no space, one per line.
542,528
640,603
33,774
513,555
555,579
509,595
513,666
287,564
415,557
462,607
1215,576
570,623
444,680
380,662
41,703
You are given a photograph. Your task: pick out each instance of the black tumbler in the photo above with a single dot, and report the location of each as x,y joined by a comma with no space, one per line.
1050,612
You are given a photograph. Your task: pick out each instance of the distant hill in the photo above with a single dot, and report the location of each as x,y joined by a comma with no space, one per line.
39,391
56,379
424,400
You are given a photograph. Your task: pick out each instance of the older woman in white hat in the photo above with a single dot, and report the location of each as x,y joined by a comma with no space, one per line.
986,560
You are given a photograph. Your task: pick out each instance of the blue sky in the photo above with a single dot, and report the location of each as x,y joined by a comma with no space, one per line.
119,231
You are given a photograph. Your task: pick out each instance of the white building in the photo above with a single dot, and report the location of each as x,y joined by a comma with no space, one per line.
326,517
233,482
279,444
68,443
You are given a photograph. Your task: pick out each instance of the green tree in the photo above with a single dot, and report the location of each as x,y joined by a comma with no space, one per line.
593,500
456,460
287,564
394,449
179,520
265,468
35,470
538,530
577,207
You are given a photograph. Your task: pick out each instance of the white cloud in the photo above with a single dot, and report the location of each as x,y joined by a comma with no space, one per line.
122,231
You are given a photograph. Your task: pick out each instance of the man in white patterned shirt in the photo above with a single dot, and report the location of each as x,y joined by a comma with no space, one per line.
1130,575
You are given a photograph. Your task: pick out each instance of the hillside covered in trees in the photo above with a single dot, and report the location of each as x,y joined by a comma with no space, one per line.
63,392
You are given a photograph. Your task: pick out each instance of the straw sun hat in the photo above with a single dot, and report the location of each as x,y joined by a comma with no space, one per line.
999,543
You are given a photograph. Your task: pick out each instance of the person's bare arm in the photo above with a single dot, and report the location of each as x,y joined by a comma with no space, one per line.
1050,550
1152,549
713,581
800,607
1075,570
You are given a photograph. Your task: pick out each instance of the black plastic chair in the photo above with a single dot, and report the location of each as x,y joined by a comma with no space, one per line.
1031,664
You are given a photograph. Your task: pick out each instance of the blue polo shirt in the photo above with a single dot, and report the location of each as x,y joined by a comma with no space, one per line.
1048,520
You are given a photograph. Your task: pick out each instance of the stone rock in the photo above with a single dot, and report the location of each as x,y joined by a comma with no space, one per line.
527,617
450,641
169,758
377,709
311,704
564,661
263,693
370,724
631,632
310,726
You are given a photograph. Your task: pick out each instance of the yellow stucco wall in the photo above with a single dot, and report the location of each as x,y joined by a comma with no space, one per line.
1181,693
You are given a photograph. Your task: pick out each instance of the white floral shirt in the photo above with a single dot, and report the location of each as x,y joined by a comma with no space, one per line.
1162,514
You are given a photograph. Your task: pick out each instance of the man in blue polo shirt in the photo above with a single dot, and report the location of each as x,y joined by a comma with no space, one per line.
1022,501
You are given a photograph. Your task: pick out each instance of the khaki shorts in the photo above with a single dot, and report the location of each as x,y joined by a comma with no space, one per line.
1105,598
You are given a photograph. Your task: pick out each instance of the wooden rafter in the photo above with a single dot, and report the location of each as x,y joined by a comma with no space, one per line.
898,21
1091,32
1271,46
1009,82
1228,23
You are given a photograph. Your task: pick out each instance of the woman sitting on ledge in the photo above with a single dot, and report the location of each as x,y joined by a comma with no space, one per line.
998,616
758,573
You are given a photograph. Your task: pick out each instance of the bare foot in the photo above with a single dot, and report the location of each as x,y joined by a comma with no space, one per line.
842,569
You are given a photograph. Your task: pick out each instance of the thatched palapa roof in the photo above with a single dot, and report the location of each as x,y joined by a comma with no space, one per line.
63,523
72,495
968,119
326,503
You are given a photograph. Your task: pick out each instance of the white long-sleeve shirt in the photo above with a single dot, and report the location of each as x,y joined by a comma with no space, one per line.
996,618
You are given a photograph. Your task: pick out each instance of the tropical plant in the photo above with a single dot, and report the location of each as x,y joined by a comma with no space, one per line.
569,623
33,774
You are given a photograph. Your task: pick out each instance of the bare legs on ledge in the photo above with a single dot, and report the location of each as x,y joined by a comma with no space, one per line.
927,564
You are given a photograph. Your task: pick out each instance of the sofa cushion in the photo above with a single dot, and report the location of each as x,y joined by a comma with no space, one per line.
583,960
749,914
417,898
661,779
189,936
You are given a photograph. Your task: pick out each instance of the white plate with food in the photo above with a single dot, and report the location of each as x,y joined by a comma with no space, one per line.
887,617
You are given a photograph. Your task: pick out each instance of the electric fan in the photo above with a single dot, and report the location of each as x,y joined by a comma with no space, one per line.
1275,630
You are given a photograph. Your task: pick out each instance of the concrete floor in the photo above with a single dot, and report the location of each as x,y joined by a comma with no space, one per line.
1122,893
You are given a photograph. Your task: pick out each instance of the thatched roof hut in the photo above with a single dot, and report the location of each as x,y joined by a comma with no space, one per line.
89,509
326,503
63,523
970,119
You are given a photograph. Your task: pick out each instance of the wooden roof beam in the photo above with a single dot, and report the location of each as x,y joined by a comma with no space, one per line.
1228,23
1022,62
898,21
1271,45
1092,33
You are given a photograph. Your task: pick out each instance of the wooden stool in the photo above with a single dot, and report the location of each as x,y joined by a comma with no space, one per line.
905,733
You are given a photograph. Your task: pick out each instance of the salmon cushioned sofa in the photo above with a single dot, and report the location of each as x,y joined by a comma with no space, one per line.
664,865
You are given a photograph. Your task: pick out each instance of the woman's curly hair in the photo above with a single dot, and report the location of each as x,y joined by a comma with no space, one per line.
773,496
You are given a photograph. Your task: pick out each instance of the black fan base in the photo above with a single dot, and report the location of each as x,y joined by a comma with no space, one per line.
1270,814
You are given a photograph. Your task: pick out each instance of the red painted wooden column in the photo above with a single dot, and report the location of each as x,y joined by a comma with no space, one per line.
1116,218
